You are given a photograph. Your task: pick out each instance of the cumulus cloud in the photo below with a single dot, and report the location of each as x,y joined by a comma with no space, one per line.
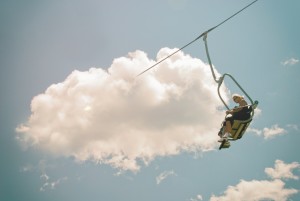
116,118
197,198
268,190
269,133
164,175
248,191
273,131
282,170
290,62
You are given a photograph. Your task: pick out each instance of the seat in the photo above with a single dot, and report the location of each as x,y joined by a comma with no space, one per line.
238,128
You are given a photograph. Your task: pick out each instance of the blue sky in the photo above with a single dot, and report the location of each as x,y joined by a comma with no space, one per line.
52,53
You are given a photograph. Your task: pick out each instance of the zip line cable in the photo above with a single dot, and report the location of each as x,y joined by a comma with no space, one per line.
203,34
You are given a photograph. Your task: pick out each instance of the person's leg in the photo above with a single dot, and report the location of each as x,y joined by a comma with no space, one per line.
228,128
222,129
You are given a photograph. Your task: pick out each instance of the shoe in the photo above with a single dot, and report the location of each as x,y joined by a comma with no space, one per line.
226,135
223,139
226,144
220,133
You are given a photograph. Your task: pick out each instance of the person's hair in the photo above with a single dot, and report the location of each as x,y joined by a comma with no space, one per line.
237,95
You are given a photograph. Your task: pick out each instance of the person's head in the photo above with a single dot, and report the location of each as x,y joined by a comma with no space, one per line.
237,98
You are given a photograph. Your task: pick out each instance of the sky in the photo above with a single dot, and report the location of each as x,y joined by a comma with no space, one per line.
77,124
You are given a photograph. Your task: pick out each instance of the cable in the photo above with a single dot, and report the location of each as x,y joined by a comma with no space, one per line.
235,14
204,33
167,57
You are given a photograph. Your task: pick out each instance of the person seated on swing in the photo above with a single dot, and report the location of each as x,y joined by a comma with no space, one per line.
240,112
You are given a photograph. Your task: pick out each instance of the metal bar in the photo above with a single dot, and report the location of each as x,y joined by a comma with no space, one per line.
208,57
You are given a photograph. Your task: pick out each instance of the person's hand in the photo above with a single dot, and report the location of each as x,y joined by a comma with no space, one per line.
228,112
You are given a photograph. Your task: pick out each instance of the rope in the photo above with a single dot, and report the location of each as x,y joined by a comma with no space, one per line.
203,34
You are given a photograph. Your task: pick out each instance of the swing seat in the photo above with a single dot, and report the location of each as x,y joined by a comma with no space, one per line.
238,128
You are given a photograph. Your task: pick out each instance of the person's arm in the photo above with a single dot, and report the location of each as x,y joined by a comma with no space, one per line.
234,110
237,109
243,103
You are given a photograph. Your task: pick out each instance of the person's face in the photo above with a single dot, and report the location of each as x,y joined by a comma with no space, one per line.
236,99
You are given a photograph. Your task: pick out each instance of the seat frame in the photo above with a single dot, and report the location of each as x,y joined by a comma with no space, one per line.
239,127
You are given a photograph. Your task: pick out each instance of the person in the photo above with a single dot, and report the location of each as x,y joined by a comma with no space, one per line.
240,112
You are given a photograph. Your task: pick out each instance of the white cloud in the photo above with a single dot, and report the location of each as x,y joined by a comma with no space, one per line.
273,131
293,126
48,184
263,189
45,177
164,175
256,190
256,131
269,133
290,62
258,113
197,198
42,168
282,170
112,117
